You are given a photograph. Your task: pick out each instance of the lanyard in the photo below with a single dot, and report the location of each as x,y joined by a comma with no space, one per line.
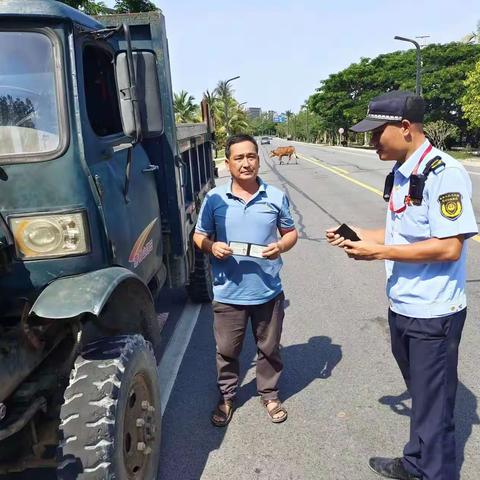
407,198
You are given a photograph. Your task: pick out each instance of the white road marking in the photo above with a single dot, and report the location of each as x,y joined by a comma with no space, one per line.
175,350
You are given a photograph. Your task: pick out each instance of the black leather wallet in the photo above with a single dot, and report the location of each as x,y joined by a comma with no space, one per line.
346,232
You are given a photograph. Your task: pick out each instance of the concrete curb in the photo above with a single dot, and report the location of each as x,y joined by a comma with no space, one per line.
472,162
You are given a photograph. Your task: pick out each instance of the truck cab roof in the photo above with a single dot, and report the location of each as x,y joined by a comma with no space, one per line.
46,9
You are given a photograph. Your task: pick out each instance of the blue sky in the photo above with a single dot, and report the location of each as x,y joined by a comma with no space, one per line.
283,49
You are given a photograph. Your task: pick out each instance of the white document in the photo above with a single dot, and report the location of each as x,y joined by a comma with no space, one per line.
256,250
239,248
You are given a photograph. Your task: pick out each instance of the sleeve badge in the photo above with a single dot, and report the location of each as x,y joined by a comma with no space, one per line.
451,205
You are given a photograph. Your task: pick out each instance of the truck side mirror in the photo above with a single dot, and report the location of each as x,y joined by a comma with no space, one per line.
140,92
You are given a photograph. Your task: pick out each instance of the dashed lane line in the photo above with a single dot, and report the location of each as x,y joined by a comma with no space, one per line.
341,174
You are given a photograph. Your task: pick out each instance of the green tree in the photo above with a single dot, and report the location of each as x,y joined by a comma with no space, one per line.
90,7
471,99
14,111
231,118
224,95
132,6
186,111
97,7
262,125
342,99
438,132
212,100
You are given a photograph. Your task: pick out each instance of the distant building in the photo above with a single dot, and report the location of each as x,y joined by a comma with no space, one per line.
254,112
271,114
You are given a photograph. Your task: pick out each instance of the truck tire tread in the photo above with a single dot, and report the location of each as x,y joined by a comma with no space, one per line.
88,414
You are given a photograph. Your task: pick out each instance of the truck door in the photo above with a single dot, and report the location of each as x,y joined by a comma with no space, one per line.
132,218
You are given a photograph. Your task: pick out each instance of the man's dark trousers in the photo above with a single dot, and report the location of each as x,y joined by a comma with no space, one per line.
230,324
426,350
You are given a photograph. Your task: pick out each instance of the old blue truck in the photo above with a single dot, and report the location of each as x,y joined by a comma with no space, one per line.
99,195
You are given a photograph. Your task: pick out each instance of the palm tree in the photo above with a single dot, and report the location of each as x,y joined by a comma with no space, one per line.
214,104
186,111
224,93
223,90
211,98
237,118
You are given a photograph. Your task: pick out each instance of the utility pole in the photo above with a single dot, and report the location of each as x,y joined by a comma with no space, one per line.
418,86
423,42
308,132
225,103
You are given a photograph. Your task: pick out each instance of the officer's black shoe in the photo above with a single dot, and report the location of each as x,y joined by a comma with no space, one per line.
390,468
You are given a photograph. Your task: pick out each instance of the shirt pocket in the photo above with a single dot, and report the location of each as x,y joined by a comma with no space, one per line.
414,224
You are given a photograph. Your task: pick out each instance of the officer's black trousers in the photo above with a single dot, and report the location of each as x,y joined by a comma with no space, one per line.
426,350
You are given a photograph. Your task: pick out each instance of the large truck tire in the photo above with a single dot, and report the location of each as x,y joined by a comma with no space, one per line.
111,416
200,289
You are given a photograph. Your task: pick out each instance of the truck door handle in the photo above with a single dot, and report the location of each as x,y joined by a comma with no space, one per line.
150,168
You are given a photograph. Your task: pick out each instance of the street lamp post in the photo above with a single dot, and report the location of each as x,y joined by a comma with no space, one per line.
418,86
225,102
307,132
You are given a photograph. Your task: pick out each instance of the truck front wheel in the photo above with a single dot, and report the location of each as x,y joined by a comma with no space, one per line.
111,415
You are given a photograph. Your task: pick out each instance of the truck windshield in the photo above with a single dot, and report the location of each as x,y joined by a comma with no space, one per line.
28,95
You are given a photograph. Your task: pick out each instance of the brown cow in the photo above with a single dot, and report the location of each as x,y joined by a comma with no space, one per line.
281,152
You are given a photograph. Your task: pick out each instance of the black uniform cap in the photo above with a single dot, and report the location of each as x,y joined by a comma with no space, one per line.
392,107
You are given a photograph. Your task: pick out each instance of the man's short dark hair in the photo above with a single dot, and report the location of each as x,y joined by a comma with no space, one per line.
241,137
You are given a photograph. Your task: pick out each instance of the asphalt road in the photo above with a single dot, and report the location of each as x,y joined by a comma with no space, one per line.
344,393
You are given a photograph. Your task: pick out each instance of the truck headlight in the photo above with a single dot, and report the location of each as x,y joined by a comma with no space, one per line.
46,236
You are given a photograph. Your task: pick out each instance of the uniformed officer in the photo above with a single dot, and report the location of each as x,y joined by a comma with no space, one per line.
429,217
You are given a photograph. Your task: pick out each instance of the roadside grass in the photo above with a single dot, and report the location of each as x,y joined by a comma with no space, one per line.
461,155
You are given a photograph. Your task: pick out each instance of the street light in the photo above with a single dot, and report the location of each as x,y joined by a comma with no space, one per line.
307,133
225,102
418,87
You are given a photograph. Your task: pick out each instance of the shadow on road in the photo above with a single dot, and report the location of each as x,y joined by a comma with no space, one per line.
188,436
465,415
303,364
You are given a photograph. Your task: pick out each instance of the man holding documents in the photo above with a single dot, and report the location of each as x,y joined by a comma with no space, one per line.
238,225
429,218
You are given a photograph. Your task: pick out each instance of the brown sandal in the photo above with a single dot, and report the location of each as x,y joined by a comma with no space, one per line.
225,417
278,409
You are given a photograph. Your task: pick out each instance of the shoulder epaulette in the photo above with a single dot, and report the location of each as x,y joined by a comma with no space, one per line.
434,165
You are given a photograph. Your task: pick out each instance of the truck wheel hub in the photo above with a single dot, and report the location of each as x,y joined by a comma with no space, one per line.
139,428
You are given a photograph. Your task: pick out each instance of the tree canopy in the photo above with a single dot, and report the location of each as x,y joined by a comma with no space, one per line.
471,99
342,99
131,6
90,7
186,111
96,7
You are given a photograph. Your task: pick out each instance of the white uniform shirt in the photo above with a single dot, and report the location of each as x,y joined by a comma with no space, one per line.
426,290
